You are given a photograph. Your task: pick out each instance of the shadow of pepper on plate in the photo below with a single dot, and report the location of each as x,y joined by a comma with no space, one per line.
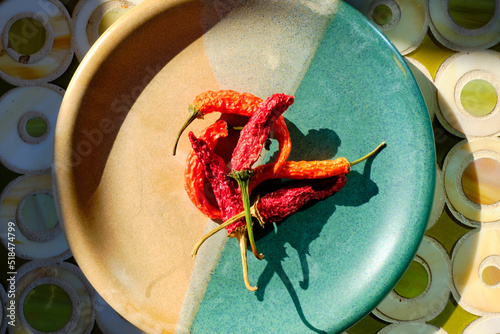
300,235
297,234
316,144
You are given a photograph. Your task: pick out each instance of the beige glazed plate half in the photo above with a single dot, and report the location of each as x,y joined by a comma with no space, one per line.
129,222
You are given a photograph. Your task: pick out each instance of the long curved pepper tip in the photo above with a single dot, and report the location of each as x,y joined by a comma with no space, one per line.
242,240
378,148
258,255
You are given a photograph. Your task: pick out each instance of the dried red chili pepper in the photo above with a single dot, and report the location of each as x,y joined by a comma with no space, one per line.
225,188
256,131
278,205
194,174
227,195
248,149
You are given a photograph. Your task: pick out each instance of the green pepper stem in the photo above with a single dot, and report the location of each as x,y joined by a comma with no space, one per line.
215,230
194,113
368,155
253,210
243,179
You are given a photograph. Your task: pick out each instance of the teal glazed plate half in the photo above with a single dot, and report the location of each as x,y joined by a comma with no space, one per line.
120,191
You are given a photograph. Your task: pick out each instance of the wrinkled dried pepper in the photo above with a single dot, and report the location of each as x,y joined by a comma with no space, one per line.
227,195
298,170
256,131
223,101
225,188
248,149
194,173
278,205
243,104
227,102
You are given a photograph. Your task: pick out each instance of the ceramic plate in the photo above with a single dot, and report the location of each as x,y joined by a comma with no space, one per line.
129,223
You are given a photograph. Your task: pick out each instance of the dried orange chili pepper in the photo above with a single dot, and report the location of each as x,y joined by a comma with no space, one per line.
243,104
223,101
299,170
226,102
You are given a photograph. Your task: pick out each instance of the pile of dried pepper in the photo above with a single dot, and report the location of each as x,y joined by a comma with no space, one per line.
231,186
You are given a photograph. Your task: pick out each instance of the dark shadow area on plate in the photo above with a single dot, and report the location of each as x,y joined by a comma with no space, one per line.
317,144
300,232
